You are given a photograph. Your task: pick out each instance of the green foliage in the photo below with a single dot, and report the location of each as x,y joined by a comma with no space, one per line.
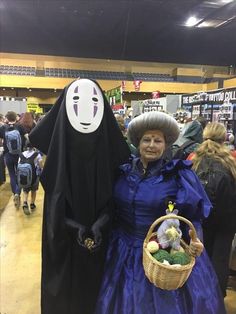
162,255
181,258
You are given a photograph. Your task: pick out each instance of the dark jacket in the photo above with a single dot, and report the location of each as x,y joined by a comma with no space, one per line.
220,186
187,142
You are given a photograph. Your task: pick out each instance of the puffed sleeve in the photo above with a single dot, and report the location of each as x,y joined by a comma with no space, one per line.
191,197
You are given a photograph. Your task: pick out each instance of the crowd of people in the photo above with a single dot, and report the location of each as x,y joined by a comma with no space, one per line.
14,130
105,184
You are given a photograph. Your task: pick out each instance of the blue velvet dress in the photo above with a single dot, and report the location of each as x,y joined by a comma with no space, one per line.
141,199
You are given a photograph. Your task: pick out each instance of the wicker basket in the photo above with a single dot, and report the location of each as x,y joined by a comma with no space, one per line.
161,275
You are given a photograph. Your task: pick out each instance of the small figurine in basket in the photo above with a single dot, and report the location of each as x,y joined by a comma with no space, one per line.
169,233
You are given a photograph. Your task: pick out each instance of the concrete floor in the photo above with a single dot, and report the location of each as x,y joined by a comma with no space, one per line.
20,267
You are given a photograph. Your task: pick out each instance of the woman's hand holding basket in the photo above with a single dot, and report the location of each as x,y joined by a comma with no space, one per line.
195,247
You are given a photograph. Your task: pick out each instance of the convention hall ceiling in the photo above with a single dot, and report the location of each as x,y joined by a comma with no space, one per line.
173,31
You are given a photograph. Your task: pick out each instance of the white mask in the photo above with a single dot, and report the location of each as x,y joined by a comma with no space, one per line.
84,105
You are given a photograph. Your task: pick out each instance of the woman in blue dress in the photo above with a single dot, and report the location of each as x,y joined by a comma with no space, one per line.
142,192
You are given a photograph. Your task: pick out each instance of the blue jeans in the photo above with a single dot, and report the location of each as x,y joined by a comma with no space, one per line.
11,162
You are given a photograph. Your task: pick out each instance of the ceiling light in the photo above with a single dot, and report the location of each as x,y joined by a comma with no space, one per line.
192,21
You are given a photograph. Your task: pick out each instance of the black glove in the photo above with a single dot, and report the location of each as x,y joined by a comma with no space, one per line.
81,235
80,231
96,231
97,238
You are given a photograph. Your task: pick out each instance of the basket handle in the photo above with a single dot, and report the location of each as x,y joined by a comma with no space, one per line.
169,216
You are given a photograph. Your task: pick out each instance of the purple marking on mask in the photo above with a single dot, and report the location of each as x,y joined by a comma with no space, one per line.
76,90
95,109
76,109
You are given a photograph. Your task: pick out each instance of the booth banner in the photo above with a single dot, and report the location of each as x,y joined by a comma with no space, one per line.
118,108
156,94
34,108
217,96
152,105
114,96
137,85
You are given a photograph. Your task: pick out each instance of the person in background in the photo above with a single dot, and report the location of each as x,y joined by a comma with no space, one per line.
27,121
230,144
216,169
18,117
11,156
141,194
203,121
2,119
38,164
189,140
2,163
128,117
121,123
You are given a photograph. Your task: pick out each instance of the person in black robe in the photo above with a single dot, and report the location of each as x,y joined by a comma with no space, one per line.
84,147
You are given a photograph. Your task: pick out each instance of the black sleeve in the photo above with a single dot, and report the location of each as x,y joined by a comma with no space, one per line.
2,131
225,203
225,193
105,215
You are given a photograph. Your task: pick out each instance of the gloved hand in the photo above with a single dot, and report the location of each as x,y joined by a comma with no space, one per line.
96,231
81,235
79,230
97,237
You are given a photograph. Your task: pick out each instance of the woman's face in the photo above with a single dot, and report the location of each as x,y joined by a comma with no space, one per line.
151,146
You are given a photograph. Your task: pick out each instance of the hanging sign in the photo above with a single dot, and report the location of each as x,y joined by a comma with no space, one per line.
114,96
123,85
137,85
217,96
156,94
34,108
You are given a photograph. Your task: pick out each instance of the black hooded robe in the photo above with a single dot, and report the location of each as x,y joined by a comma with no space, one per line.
77,178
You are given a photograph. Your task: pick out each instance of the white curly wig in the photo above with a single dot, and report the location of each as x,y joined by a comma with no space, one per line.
153,120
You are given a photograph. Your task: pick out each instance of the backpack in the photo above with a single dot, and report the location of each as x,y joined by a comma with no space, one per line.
179,152
13,140
26,171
